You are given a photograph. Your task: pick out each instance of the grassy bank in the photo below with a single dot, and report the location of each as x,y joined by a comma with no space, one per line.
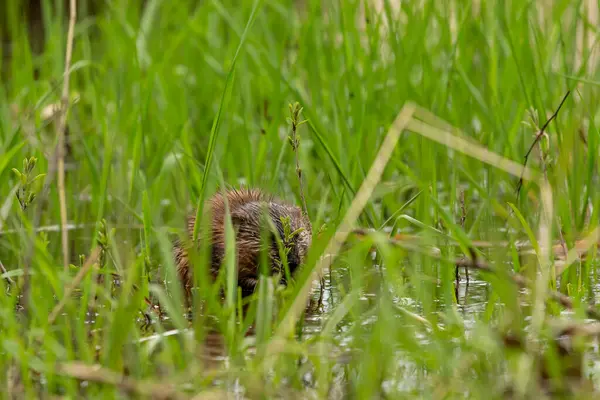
169,100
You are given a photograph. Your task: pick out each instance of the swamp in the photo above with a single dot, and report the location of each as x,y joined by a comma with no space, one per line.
445,152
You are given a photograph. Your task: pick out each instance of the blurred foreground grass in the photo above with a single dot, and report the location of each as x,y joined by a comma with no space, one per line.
159,88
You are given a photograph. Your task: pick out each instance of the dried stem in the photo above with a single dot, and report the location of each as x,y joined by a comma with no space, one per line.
463,218
74,284
91,261
477,264
523,282
71,227
98,374
60,131
348,222
4,271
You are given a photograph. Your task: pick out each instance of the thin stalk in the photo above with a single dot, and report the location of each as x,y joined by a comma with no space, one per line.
60,132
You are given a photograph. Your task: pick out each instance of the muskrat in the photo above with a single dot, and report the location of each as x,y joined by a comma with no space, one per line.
246,207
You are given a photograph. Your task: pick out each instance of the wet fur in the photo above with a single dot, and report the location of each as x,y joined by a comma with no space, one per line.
246,207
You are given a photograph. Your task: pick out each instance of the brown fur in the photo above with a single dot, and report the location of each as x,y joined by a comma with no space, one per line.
246,207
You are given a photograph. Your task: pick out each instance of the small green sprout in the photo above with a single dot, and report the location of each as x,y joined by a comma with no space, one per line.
288,235
102,241
26,192
294,120
293,138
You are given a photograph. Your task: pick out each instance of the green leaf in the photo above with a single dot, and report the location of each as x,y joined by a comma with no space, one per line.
214,132
36,178
527,228
6,158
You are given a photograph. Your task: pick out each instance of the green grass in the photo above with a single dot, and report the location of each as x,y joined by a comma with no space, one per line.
178,98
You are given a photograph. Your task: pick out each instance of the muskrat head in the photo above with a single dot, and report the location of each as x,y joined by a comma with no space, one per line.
294,230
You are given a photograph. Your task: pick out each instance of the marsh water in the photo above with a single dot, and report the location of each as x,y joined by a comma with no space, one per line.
472,300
